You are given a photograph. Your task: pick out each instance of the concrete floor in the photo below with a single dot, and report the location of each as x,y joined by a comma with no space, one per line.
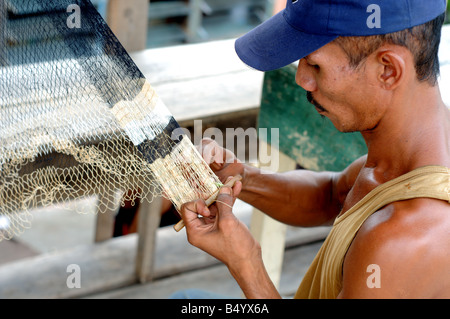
53,229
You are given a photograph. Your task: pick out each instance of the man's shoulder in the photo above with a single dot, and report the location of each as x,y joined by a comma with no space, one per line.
409,242
417,216
413,222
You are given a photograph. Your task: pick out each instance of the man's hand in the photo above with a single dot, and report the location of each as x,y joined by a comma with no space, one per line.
222,161
218,232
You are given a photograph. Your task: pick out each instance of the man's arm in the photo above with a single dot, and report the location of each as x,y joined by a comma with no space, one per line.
299,198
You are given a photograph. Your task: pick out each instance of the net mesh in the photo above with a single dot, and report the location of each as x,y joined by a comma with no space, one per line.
78,118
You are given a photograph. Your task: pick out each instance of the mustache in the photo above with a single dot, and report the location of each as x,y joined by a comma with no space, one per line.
311,100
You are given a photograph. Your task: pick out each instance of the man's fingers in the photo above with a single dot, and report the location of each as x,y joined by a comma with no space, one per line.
191,210
224,205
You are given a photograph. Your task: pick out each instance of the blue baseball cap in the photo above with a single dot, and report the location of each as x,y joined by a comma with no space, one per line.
306,25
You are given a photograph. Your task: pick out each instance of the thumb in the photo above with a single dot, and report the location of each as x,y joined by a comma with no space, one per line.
191,210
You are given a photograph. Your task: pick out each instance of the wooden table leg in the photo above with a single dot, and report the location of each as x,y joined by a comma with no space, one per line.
128,20
148,224
270,233
108,205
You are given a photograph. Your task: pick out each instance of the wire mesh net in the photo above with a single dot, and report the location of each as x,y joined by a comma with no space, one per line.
78,118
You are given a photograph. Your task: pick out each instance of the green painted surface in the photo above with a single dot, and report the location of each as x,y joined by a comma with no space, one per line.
312,141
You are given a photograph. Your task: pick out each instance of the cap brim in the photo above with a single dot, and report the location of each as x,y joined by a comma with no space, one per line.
275,44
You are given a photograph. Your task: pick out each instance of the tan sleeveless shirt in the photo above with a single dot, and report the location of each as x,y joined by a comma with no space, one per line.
324,277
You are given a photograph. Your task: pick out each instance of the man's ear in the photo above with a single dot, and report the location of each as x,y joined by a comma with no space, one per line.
392,68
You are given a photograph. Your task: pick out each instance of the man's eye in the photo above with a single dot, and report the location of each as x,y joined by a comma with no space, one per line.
311,64
315,66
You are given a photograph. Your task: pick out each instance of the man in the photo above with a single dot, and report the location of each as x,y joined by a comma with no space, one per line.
369,66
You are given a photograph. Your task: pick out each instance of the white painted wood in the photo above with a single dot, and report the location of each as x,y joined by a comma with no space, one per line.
128,21
189,61
270,233
194,30
193,85
108,206
148,223
271,236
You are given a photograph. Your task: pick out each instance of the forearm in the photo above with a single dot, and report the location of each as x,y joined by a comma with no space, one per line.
254,281
299,198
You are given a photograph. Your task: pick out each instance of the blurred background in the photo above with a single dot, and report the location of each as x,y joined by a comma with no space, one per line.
172,22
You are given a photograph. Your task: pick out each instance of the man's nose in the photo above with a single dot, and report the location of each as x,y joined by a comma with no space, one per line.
305,77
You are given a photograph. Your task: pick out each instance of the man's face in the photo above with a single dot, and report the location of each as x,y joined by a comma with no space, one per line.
348,96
